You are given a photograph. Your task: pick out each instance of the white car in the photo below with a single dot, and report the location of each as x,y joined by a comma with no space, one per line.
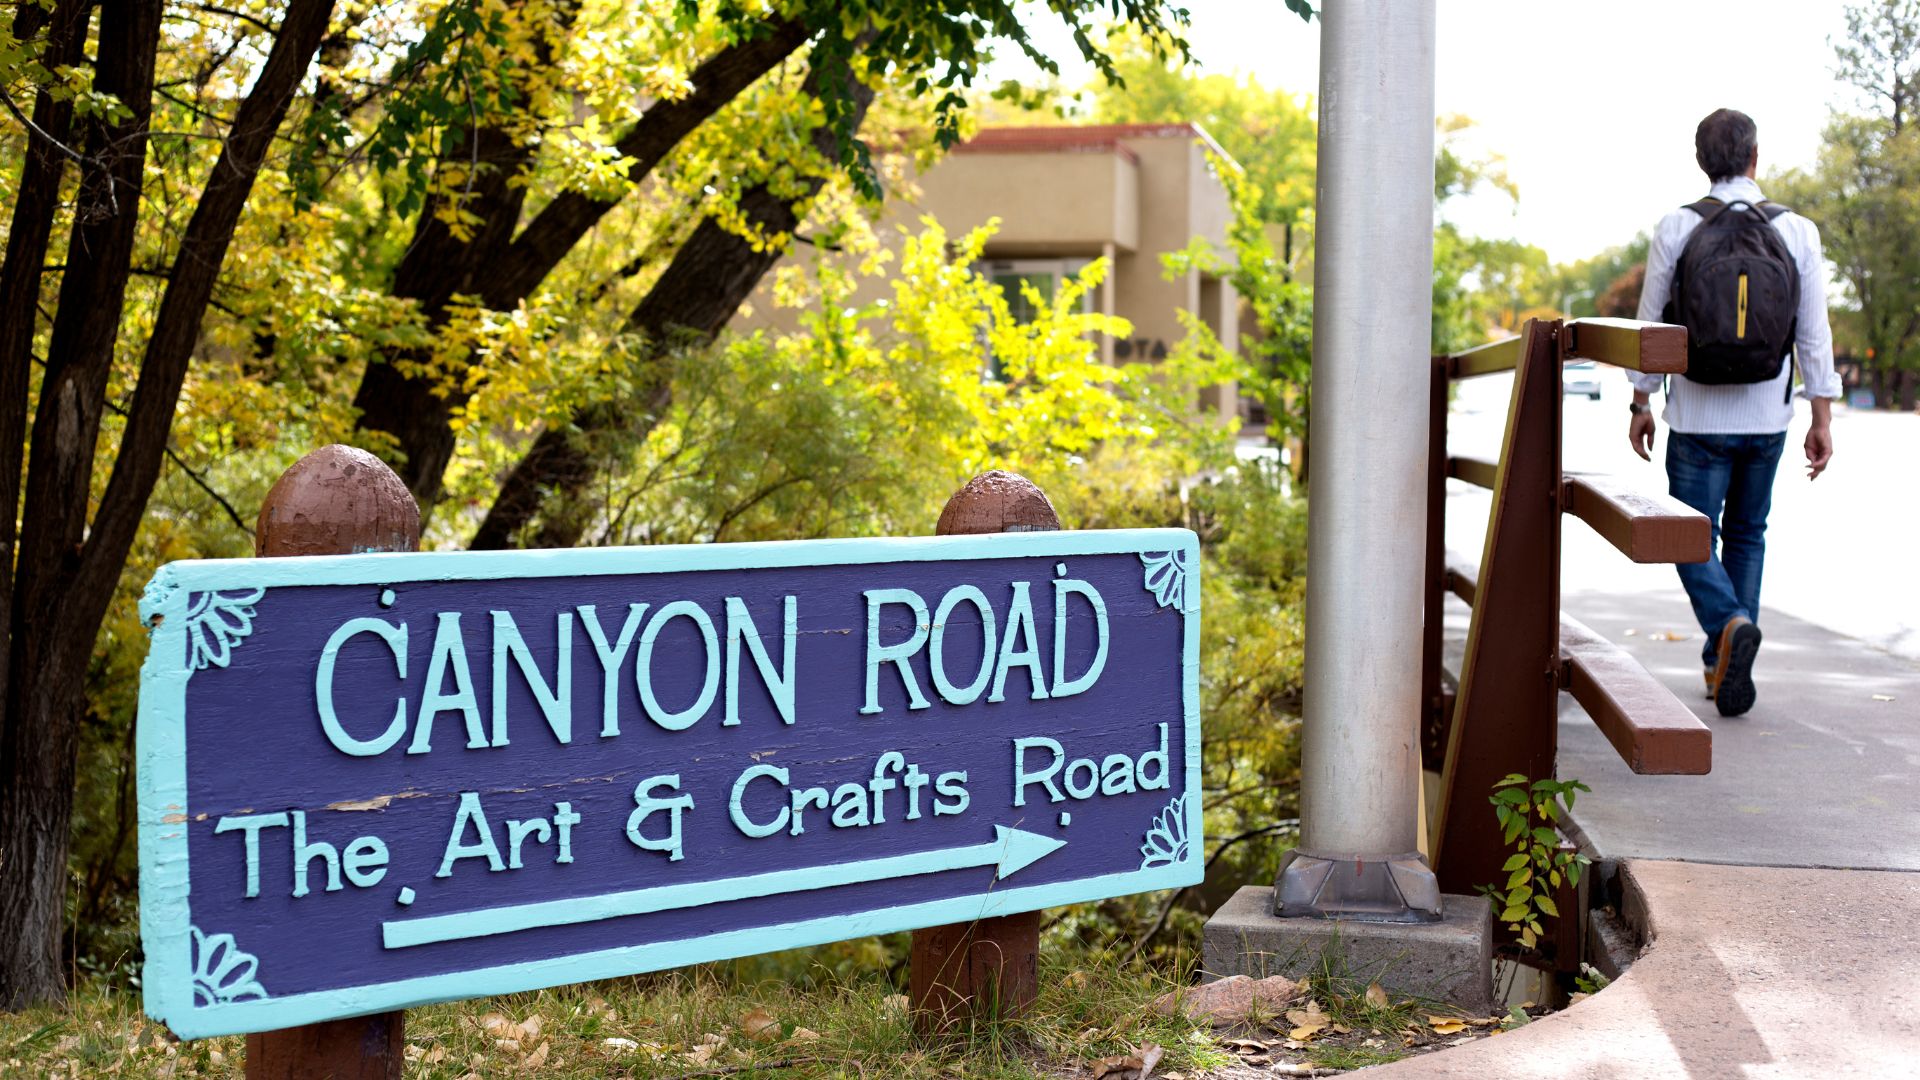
1581,377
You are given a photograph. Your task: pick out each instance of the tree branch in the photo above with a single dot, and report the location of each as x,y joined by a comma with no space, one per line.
176,328
562,222
708,279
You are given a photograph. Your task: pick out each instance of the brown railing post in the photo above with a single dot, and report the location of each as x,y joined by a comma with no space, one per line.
335,501
1433,711
1505,718
989,968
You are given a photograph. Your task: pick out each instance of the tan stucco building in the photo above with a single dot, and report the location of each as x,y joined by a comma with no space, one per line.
1068,195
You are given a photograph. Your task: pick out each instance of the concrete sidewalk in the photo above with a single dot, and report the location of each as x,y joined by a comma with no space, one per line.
1777,897
1751,973
1823,772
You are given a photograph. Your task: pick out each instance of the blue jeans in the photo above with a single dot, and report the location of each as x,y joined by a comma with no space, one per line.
1729,478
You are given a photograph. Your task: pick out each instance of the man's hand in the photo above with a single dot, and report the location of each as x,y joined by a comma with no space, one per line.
1640,430
1819,438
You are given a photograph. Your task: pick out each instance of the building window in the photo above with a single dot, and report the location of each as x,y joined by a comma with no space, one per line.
1045,275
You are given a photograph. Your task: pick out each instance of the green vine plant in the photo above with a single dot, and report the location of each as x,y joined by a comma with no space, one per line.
1529,813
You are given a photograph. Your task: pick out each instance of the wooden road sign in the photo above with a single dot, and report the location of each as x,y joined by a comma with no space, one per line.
375,781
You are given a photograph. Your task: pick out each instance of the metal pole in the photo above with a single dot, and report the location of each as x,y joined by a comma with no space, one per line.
1372,326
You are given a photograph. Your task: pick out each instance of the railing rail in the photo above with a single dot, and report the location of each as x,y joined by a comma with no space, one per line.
1522,652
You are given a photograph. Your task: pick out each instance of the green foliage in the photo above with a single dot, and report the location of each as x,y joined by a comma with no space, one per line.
1865,195
1880,56
1590,980
867,411
1583,282
1529,814
877,404
1279,351
516,65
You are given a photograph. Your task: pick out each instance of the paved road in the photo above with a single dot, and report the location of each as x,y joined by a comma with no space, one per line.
1825,771
1843,552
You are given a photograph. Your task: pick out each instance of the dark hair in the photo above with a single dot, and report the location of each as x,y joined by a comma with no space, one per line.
1723,143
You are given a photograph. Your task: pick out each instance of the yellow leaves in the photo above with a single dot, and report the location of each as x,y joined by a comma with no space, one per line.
1376,996
1447,1025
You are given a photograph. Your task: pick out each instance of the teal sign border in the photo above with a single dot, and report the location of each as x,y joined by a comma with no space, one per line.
1171,563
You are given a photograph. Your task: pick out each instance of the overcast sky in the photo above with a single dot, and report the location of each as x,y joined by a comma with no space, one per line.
1592,104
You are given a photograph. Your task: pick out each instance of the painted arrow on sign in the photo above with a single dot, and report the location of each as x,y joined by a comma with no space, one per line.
1009,851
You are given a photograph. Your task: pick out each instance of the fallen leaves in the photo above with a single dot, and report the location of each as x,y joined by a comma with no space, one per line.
1138,1065
760,1026
1307,1022
1447,1025
1376,996
709,1046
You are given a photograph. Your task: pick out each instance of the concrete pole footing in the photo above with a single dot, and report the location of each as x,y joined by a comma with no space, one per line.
1448,960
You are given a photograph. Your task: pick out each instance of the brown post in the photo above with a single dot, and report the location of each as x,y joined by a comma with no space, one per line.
1506,718
989,968
335,501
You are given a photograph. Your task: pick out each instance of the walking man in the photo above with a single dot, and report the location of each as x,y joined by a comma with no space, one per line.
1746,279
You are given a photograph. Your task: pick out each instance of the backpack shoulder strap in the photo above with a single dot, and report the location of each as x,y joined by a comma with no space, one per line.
1708,208
1774,209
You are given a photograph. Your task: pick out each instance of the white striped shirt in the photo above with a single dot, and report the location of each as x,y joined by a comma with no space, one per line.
1745,408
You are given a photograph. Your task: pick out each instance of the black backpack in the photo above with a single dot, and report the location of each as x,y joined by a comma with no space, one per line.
1737,291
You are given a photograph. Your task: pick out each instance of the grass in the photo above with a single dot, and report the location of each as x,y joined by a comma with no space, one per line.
801,1022
683,1024
1351,1057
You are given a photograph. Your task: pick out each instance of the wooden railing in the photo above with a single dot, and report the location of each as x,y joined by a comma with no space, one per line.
1521,650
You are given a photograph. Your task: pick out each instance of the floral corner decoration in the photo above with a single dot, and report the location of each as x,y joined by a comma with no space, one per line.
222,974
1166,577
1167,837
216,622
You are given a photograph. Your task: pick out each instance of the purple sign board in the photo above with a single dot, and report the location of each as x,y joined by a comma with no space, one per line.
375,781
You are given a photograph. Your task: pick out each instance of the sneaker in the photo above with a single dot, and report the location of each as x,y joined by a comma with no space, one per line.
1733,675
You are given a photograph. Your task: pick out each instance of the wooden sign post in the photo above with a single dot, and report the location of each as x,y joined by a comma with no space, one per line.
989,968
335,501
371,781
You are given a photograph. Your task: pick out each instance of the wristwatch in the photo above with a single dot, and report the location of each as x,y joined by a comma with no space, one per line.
1636,408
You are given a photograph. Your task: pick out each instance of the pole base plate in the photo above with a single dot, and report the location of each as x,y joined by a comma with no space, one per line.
1367,888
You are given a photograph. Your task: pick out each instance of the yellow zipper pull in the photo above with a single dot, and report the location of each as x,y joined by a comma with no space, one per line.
1740,322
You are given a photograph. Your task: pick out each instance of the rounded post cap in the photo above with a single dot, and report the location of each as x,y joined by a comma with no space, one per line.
338,500
997,501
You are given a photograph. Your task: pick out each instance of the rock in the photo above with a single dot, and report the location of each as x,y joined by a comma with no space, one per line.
1232,1000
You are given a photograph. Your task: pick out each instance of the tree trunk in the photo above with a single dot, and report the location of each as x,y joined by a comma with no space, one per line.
708,279
502,270
37,748
67,570
29,789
